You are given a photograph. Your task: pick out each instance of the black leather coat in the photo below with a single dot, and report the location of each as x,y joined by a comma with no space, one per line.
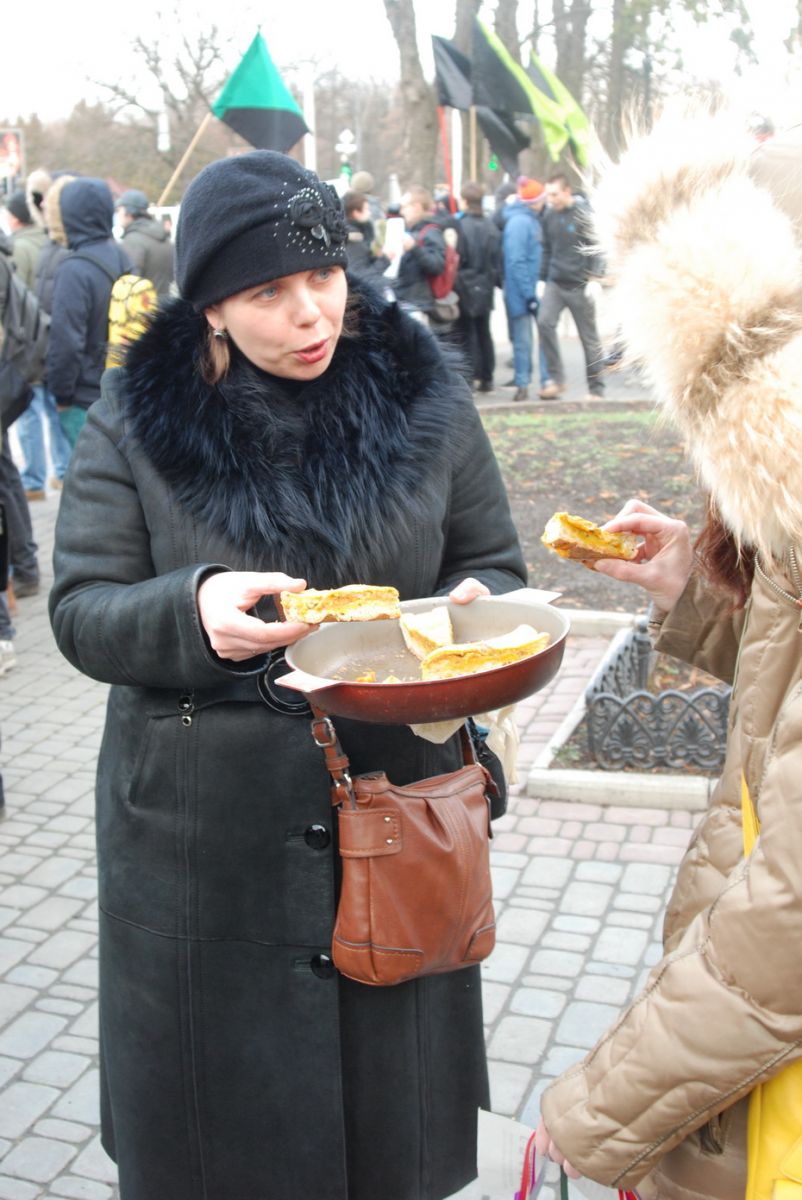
237,1064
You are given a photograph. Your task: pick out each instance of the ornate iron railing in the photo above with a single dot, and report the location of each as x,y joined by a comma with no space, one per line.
629,726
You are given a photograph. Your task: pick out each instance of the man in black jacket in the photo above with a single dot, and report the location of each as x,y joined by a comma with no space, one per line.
479,271
567,268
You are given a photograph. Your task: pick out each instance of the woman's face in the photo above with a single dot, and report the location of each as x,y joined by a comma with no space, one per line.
288,327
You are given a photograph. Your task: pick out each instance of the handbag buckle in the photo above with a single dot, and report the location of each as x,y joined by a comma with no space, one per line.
324,724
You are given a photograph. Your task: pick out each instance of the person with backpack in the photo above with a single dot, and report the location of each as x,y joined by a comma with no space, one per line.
479,271
423,263
76,353
146,242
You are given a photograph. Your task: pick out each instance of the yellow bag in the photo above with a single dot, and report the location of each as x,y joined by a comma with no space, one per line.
774,1129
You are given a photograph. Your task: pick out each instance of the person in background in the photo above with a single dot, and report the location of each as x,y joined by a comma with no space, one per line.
363,181
146,242
568,266
76,352
479,272
41,413
521,244
361,236
424,252
278,425
711,314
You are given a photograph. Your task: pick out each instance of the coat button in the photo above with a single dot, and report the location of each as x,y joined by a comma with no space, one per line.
323,967
317,837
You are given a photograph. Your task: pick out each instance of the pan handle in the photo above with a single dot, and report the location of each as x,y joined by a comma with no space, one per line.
301,681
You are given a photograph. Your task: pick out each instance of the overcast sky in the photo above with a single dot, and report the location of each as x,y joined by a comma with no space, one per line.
88,40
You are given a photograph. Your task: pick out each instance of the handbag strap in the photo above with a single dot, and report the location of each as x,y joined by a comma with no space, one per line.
324,735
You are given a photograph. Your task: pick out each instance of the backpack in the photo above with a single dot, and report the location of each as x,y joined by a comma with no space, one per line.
443,283
25,326
446,302
132,302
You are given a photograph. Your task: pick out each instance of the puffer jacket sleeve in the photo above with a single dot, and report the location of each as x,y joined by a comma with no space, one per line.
703,629
719,1014
114,618
481,540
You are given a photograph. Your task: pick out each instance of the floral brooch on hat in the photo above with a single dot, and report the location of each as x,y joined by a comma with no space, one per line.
320,212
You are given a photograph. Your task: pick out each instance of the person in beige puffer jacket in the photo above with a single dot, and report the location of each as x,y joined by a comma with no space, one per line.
704,233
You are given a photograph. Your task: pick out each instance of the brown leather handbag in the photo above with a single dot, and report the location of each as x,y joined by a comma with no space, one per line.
416,894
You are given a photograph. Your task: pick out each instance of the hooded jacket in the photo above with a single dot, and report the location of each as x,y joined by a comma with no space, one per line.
713,315
76,350
147,244
522,247
237,1064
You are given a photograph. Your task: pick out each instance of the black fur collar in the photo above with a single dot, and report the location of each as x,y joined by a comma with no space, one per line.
315,481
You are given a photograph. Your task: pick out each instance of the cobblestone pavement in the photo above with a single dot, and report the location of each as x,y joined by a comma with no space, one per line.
579,890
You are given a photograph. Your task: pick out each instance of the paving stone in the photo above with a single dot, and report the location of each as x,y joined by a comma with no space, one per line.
53,872
537,1002
52,1004
576,924
609,968
62,949
559,847
66,1131
15,1189
508,1086
76,1045
584,899
523,925
56,1068
559,1059
36,977
583,1023
547,872
29,1034
52,913
23,1103
11,951
38,1158
620,946
598,872
565,941
652,854
87,1025
13,999
643,879
632,920
81,1102
556,962
94,1163
81,1189
494,997
504,880
602,989
8,1068
639,904
19,864
505,963
548,982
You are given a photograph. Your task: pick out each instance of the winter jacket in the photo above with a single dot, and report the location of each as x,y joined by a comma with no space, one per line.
28,244
76,350
479,247
522,245
665,1090
237,1063
359,248
567,236
148,245
50,259
426,259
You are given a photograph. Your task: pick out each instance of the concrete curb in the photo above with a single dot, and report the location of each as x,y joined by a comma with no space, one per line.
621,789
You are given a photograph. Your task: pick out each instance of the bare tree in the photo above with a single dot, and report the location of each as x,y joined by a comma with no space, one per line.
418,100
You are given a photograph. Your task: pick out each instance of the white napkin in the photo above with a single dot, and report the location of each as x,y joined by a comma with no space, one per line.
502,737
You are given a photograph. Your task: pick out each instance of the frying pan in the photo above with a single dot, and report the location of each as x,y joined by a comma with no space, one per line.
325,664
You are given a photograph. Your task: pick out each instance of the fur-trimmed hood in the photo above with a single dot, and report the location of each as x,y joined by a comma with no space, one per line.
323,476
701,231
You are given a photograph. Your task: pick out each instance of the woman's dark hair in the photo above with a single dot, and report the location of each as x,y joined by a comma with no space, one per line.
722,561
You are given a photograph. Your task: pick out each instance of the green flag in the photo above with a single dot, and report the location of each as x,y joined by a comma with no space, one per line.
499,82
257,104
574,119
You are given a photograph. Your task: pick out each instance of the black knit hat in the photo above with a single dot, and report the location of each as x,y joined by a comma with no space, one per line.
18,205
252,218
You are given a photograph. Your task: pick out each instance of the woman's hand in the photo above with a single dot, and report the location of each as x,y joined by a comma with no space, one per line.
544,1145
223,599
665,557
468,590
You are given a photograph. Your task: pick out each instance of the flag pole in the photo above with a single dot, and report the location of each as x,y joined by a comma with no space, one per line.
473,141
441,120
184,158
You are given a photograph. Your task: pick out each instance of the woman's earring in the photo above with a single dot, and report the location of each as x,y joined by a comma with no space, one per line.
219,333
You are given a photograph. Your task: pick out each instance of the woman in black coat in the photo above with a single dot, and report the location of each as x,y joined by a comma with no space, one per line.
253,443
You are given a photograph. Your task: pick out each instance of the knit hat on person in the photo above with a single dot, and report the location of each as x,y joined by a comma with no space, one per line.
134,202
530,189
18,206
252,218
362,181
